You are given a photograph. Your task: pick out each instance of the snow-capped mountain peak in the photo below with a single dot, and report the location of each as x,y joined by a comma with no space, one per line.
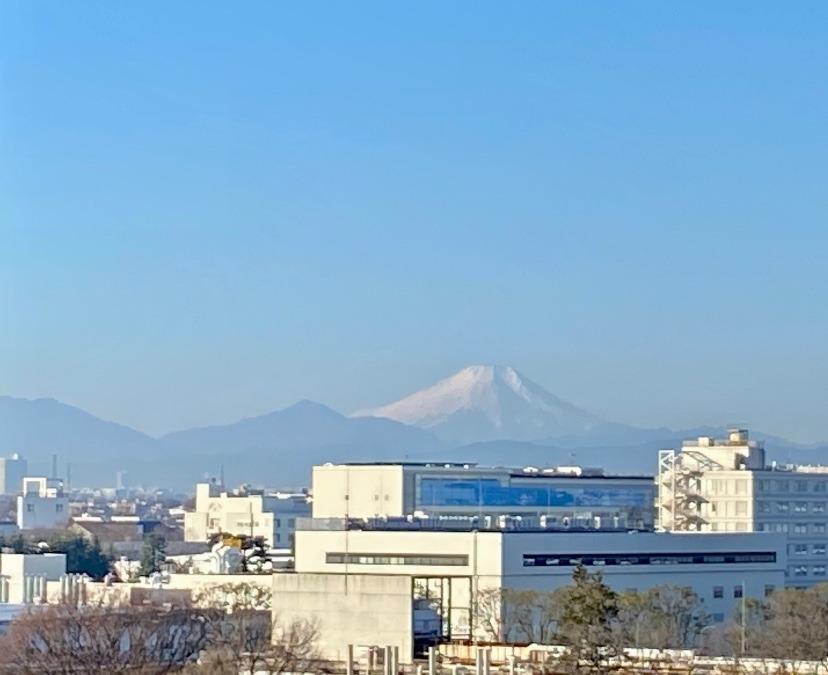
487,402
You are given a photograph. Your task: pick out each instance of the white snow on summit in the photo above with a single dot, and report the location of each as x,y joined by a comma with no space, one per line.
487,402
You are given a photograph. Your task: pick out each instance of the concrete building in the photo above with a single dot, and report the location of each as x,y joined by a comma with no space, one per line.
249,512
42,504
387,537
564,496
24,577
12,471
726,485
361,578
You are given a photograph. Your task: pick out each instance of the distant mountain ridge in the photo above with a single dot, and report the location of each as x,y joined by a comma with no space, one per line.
484,414
481,403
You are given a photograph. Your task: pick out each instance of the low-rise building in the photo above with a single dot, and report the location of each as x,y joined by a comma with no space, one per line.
361,578
42,504
254,513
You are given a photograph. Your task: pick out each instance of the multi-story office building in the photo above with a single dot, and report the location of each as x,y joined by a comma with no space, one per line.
12,471
42,504
557,498
245,512
726,486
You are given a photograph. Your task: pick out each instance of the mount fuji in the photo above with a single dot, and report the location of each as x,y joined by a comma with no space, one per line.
483,403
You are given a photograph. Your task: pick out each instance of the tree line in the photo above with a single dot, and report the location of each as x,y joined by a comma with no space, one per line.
596,624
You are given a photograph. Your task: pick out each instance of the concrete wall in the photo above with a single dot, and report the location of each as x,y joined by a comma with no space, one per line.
357,610
482,551
359,491
17,566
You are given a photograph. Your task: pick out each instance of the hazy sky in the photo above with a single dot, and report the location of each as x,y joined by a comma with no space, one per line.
209,211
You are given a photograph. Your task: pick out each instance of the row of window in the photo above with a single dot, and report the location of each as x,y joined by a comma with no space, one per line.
805,549
802,570
796,528
31,507
396,559
738,590
767,485
545,560
291,522
785,507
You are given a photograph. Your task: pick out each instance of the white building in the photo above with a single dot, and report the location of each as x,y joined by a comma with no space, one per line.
42,504
386,536
726,486
361,584
245,512
12,471
564,496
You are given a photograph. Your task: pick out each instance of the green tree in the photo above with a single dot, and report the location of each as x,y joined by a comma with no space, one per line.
153,554
82,556
588,608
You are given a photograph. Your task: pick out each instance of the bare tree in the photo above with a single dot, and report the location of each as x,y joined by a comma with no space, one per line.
62,639
248,641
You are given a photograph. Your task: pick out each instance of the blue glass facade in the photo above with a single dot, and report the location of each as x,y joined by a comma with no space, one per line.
487,492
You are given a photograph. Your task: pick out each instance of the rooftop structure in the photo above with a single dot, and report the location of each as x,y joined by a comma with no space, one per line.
568,496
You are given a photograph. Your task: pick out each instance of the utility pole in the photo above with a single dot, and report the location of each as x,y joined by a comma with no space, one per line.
744,618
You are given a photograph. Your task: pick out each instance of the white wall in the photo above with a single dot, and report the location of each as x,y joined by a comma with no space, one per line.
360,491
357,610
34,511
17,566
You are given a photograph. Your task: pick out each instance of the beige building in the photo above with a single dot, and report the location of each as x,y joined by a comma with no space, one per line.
245,512
725,485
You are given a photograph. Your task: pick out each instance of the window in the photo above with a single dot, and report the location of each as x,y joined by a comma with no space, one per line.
392,559
278,538
781,507
800,528
801,485
741,508
768,590
819,528
819,570
781,527
801,571
29,508
764,507
718,591
819,549
800,507
800,549
782,486
818,507
763,486
737,591
58,508
741,486
718,618
819,486
291,522
278,522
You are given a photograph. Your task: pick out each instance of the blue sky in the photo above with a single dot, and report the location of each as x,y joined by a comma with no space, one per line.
208,211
